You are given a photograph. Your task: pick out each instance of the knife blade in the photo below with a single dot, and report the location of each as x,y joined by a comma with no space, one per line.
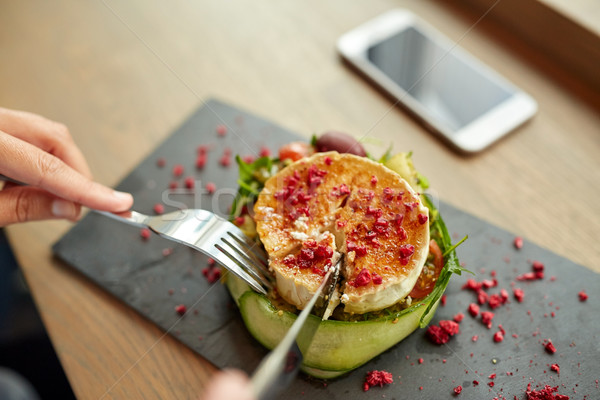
278,369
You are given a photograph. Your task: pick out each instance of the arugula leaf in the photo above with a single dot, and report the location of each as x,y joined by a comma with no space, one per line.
251,181
451,264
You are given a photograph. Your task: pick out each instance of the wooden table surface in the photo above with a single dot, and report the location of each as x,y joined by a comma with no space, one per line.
123,75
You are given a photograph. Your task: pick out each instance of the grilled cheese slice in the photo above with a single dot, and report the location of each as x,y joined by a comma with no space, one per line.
354,206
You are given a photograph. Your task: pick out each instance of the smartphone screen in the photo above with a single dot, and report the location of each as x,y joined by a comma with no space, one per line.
453,91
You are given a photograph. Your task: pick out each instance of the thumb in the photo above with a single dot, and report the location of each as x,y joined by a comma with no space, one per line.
22,204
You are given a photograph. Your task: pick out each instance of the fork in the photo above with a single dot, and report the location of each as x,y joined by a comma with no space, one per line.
212,235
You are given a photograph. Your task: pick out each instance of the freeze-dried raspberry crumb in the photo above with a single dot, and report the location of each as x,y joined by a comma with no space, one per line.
492,376
173,185
519,294
159,208
178,170
482,297
145,233
518,242
475,338
450,327
491,384
537,266
377,378
421,361
549,346
248,159
225,160
437,335
555,368
457,390
377,279
189,182
475,383
161,162
489,283
486,318
211,187
459,317
495,301
547,393
264,152
504,295
498,337
443,300
180,309
201,161
473,309
221,130
582,296
472,284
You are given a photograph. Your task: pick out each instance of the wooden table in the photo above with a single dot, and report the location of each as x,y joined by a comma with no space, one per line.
123,75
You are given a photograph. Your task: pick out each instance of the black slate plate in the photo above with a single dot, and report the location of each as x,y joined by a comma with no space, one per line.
115,257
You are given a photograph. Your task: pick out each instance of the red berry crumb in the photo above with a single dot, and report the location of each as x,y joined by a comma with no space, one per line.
421,361
178,170
180,309
225,160
457,390
159,208
145,233
443,300
450,327
458,317
582,296
189,182
377,279
161,162
437,335
211,187
221,130
519,294
549,346
377,378
486,318
555,368
547,393
498,337
201,161
473,309
518,242
363,278
264,151
475,383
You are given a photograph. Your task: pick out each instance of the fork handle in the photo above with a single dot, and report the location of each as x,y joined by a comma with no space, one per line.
130,217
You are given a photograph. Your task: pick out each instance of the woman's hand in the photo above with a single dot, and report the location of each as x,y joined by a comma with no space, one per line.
229,385
41,153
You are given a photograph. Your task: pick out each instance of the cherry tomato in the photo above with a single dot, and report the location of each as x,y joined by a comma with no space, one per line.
295,151
426,282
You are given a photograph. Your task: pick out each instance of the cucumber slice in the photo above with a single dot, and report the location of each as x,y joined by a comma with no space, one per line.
338,346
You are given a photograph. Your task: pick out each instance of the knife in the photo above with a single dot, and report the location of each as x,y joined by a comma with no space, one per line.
279,368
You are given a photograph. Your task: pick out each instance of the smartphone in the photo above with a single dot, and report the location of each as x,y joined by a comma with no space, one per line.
456,96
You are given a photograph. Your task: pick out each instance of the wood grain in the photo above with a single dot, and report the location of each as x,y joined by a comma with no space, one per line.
123,75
